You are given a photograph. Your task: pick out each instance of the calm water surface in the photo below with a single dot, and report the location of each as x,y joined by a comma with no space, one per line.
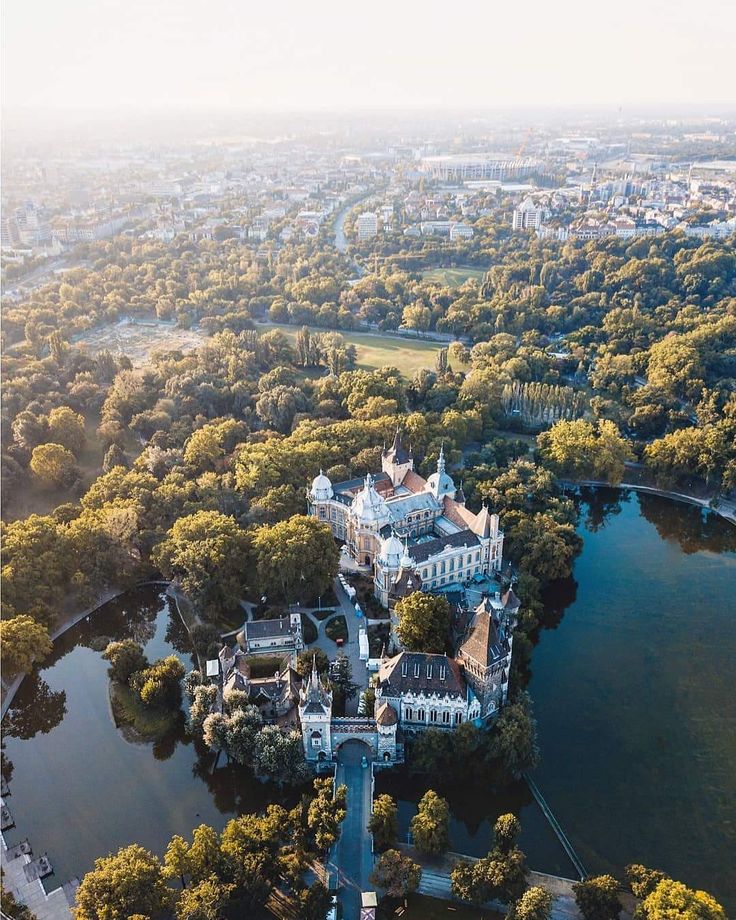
632,679
79,789
633,687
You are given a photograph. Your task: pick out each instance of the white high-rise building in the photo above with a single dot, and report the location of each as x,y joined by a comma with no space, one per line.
367,225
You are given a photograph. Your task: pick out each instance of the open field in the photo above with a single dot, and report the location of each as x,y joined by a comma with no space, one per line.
138,340
409,355
453,277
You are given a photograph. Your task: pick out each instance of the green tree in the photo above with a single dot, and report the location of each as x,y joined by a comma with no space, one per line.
206,900
54,465
514,741
582,450
313,902
160,684
66,427
22,641
305,659
597,898
205,858
125,657
430,827
674,901
326,812
279,756
208,553
397,874
129,882
384,822
424,622
114,456
643,881
204,698
176,860
535,904
506,832
297,558
464,884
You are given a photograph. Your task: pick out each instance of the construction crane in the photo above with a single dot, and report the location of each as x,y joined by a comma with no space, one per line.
521,149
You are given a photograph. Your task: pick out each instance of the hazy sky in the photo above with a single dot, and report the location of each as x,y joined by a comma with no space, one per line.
317,54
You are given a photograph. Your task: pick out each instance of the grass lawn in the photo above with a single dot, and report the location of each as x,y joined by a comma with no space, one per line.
337,628
423,908
309,630
453,277
265,665
374,351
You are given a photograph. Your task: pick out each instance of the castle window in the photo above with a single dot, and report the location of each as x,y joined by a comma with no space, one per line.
409,713
404,668
429,672
322,512
433,715
416,669
458,718
446,717
420,715
443,671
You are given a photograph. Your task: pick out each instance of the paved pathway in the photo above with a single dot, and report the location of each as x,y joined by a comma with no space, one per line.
435,883
352,855
726,508
52,906
351,647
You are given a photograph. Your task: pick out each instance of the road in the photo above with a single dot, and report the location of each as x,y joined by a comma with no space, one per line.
351,647
352,856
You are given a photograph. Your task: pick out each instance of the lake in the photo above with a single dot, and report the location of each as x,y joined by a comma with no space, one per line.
632,679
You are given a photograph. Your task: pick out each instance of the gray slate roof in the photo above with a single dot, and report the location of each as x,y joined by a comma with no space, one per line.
420,552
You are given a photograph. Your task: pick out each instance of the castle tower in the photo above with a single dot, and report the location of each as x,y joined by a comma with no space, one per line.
396,461
386,723
388,565
315,715
440,483
485,651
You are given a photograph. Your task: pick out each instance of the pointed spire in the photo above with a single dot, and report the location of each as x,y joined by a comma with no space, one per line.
441,459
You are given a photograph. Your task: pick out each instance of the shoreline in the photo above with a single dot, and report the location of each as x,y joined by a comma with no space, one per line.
727,512
110,595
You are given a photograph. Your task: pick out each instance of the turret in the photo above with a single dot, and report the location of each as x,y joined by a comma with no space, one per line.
315,715
321,489
440,483
396,461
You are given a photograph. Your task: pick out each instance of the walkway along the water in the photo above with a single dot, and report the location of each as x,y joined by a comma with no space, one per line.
725,508
555,825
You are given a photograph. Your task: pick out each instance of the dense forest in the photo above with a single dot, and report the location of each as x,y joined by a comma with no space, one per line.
624,351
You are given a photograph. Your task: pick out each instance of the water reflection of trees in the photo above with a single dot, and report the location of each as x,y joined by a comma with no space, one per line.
557,597
476,805
36,708
687,525
235,790
598,505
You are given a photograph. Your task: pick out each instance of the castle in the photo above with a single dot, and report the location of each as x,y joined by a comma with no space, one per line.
414,533
415,691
